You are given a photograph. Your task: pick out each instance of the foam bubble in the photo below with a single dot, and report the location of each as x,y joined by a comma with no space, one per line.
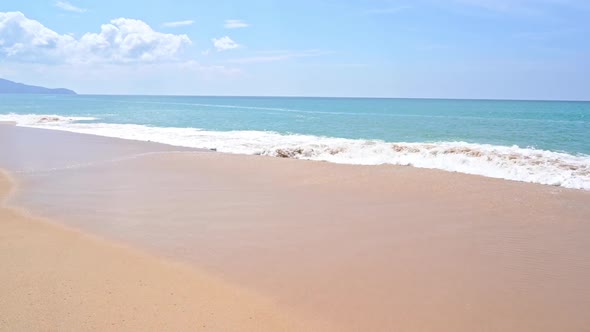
44,119
505,162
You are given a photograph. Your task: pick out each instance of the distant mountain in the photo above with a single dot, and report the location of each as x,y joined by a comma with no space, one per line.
7,86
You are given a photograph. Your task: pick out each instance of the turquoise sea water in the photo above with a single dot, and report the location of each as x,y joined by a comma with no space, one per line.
446,134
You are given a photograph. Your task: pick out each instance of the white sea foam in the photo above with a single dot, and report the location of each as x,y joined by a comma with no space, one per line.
44,119
506,162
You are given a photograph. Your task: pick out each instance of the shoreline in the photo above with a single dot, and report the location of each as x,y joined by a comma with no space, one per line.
55,277
521,164
354,247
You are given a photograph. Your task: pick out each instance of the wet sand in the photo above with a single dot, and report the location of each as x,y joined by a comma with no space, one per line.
54,278
361,248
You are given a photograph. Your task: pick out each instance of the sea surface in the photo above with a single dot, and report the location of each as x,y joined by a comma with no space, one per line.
545,142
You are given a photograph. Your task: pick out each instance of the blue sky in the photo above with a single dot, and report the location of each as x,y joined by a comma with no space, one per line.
515,49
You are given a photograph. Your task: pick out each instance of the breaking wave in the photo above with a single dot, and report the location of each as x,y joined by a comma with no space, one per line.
505,162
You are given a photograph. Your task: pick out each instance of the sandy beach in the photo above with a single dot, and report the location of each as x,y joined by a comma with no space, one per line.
54,278
139,235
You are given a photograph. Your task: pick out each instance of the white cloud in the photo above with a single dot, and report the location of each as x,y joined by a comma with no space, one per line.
177,23
23,39
121,40
235,24
224,44
69,7
127,39
278,56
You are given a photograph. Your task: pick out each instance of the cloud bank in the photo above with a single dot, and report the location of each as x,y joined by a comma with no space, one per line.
121,40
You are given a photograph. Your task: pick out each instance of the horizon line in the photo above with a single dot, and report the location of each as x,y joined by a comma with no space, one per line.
332,97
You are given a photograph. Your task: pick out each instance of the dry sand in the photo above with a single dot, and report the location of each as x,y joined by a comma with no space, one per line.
363,248
55,279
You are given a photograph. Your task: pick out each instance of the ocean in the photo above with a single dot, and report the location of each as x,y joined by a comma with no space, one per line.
546,142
